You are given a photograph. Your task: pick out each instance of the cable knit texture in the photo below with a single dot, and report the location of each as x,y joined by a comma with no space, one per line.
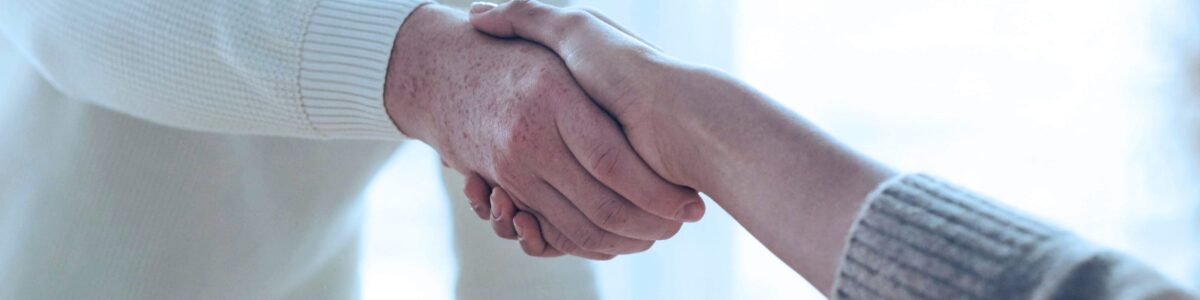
310,68
919,238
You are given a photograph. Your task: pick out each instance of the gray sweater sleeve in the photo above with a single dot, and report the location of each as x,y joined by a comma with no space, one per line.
920,238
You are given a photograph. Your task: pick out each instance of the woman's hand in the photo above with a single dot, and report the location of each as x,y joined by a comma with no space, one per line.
793,187
630,79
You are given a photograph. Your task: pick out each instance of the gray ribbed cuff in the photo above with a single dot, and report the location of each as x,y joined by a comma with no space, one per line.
919,238
344,63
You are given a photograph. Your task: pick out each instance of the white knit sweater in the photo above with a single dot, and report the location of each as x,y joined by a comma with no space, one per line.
142,149
310,68
100,200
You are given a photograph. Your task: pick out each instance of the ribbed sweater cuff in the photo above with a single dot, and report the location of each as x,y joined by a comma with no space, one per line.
919,238
344,63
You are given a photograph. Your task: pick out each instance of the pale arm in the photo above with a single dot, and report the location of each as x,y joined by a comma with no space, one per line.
828,213
808,198
792,187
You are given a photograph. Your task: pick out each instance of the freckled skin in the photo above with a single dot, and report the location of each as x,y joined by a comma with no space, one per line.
510,111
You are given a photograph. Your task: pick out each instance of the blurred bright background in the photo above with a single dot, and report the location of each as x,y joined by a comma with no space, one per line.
1075,111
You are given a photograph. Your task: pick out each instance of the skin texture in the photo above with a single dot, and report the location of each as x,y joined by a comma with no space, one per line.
509,114
794,188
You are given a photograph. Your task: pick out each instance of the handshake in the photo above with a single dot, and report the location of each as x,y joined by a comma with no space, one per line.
582,158
578,138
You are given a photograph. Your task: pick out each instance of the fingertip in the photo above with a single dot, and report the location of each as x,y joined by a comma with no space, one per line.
501,203
551,252
645,248
486,18
505,231
529,234
687,207
526,246
691,207
525,225
691,212
479,7
479,211
477,192
502,214
671,232
497,212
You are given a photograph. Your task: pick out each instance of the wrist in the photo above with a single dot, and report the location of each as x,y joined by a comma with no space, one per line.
737,132
408,91
793,187
695,105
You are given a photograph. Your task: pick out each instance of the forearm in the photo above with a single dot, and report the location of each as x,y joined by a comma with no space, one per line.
799,192
793,187
312,68
426,39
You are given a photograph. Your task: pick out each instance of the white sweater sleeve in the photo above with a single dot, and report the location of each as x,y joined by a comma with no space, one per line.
299,68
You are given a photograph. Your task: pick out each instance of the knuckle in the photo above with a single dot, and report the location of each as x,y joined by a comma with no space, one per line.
604,160
503,166
562,243
627,90
529,9
516,137
593,240
513,148
547,80
522,4
507,173
611,214
574,18
533,8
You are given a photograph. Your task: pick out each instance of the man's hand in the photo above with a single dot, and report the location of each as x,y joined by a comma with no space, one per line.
510,112
627,77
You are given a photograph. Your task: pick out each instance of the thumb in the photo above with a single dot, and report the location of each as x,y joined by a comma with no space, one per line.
497,20
487,19
529,19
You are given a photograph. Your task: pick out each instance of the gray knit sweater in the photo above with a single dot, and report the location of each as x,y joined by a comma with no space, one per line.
920,238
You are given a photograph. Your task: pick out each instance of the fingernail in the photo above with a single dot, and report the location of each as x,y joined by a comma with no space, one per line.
481,7
475,209
520,237
495,212
691,212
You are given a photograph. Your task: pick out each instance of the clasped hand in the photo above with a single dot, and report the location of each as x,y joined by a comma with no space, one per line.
544,163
